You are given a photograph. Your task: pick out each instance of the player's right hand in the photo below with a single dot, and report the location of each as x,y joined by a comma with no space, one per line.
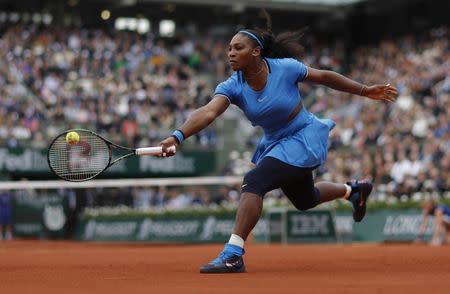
168,145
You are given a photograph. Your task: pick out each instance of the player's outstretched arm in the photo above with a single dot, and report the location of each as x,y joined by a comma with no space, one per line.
339,82
197,121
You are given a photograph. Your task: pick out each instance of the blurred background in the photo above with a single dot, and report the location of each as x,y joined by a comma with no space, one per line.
133,70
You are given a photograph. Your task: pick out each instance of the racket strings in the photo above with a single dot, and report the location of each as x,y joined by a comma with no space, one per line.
81,161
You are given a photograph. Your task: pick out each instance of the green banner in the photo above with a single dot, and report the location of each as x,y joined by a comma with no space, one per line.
292,226
282,225
276,225
200,229
39,216
29,162
276,221
343,223
390,225
311,226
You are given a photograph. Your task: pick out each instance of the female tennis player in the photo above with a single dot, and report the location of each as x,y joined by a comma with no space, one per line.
264,85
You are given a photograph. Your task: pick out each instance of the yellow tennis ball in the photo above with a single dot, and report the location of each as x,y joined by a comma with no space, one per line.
72,138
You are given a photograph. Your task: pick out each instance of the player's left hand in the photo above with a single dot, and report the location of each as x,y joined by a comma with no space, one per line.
386,93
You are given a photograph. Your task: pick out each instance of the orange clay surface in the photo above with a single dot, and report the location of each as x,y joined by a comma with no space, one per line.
70,267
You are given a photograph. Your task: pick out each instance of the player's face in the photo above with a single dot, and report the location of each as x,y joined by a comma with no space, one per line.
240,52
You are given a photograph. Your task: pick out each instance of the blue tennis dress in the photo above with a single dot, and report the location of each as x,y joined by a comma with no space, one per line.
301,142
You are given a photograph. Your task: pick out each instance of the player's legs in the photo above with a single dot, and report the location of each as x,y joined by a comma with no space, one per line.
331,191
298,185
248,214
230,259
301,190
268,175
263,178
304,194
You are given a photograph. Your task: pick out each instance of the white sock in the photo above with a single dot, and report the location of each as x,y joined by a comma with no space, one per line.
236,240
348,192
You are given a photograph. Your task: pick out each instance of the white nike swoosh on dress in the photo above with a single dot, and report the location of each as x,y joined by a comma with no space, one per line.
261,99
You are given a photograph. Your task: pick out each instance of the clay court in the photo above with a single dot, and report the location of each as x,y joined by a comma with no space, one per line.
69,267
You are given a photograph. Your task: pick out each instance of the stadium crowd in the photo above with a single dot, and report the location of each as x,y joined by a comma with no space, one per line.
133,88
137,88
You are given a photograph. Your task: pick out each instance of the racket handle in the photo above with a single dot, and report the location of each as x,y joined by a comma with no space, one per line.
153,150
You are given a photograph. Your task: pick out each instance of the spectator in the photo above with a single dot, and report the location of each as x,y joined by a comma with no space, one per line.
5,215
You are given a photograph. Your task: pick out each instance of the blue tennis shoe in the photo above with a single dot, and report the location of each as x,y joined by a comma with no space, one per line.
229,261
358,197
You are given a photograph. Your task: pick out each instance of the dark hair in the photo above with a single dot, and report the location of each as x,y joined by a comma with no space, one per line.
284,45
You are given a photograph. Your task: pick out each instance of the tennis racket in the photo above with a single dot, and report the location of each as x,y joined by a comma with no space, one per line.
90,156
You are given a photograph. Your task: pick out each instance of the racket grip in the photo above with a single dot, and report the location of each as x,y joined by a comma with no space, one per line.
152,150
